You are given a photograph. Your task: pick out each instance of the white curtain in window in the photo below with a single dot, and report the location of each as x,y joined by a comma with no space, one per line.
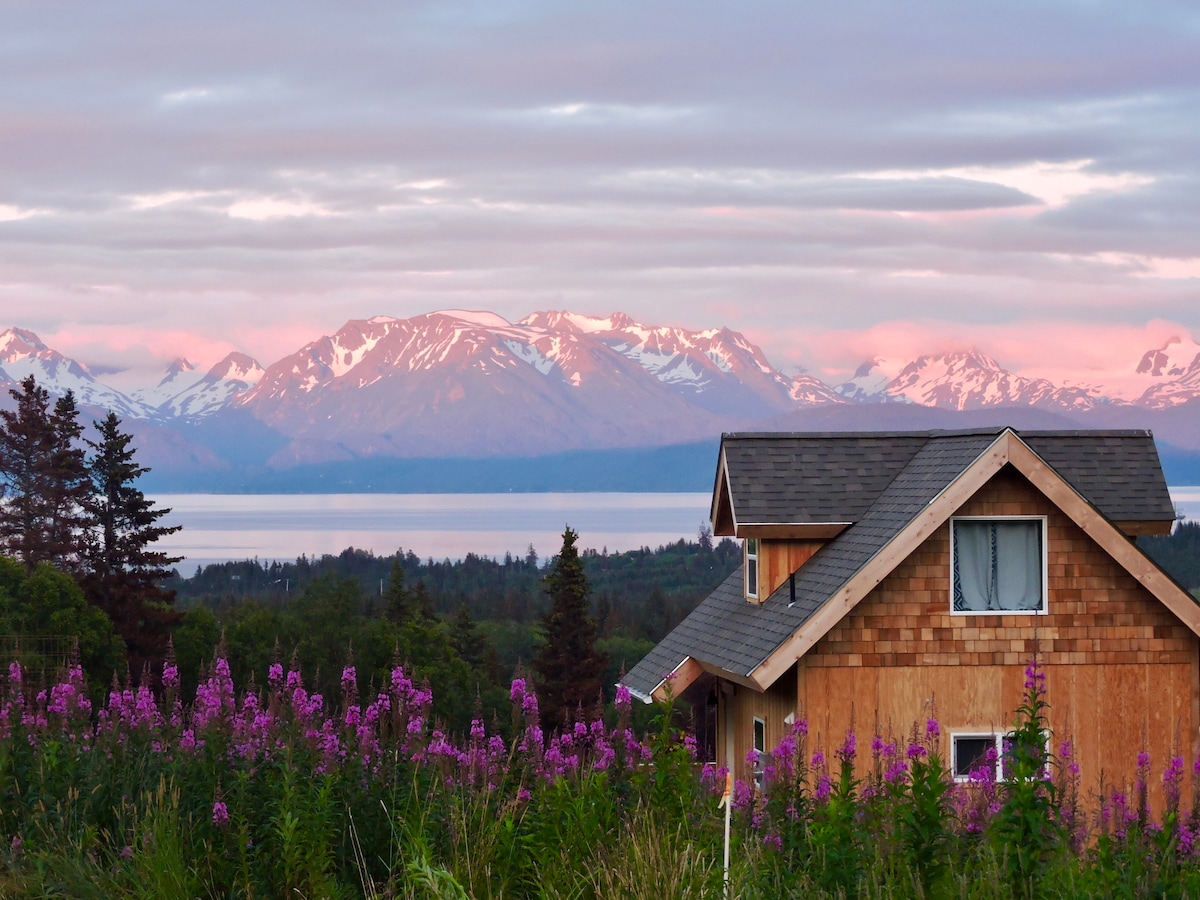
997,565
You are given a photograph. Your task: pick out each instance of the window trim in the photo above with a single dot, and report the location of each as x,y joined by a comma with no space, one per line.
1040,611
757,728
999,737
751,560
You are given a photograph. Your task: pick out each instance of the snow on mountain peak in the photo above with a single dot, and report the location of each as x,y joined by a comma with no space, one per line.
17,342
239,367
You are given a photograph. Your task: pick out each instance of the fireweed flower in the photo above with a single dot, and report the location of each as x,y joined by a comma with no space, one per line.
743,796
220,814
624,700
846,752
1172,781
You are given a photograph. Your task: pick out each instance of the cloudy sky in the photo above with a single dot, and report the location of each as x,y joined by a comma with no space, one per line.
836,180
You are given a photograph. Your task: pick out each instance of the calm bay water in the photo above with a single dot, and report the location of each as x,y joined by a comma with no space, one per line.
220,527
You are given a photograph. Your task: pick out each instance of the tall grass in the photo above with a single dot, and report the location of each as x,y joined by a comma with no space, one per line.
276,792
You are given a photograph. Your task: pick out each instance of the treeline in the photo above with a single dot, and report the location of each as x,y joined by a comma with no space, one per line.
465,625
639,593
77,540
1178,554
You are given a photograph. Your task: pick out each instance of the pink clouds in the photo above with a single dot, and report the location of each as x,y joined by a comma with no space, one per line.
1065,352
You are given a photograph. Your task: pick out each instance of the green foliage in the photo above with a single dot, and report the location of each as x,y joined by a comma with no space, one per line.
1024,828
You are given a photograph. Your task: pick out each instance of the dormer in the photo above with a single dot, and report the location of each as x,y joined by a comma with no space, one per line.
784,499
784,496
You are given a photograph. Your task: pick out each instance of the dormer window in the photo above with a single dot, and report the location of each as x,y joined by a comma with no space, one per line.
752,568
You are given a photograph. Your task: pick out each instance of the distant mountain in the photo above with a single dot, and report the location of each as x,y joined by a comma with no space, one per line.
716,369
191,398
473,386
23,354
464,384
960,381
1174,373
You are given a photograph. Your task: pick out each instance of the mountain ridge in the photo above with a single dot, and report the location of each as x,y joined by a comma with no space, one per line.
470,385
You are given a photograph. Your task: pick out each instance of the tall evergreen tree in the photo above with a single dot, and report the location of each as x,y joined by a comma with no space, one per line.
125,570
568,670
71,486
43,479
397,601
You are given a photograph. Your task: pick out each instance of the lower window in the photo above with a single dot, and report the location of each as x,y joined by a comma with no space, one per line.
969,752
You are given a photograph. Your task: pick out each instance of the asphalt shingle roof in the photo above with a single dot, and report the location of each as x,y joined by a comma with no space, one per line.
812,478
803,478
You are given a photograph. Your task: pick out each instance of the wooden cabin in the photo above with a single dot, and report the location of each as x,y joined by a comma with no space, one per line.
892,576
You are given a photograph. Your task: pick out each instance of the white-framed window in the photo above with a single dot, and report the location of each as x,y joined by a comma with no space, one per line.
969,750
997,565
752,567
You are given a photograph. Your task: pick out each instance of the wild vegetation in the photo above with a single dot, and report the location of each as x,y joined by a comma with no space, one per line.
408,760
274,790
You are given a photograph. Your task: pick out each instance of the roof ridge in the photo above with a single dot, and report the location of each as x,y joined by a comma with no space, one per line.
934,433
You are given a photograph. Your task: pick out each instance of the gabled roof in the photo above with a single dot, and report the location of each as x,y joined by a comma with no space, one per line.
815,485
755,643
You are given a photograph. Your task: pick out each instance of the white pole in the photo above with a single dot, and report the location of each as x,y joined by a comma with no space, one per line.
727,802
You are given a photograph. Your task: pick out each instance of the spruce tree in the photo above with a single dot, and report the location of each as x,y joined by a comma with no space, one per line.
71,487
125,572
43,479
397,601
568,671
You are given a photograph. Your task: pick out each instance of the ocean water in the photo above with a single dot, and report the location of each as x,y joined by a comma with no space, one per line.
220,527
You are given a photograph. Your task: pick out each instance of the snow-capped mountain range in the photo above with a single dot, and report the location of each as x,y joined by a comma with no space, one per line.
459,383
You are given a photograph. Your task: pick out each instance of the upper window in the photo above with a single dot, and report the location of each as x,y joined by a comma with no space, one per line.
998,565
752,567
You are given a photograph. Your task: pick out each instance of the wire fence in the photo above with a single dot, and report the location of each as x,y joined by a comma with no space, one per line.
42,656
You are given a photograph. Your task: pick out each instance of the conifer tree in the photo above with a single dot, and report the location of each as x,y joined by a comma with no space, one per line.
71,486
568,671
124,570
397,602
43,479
